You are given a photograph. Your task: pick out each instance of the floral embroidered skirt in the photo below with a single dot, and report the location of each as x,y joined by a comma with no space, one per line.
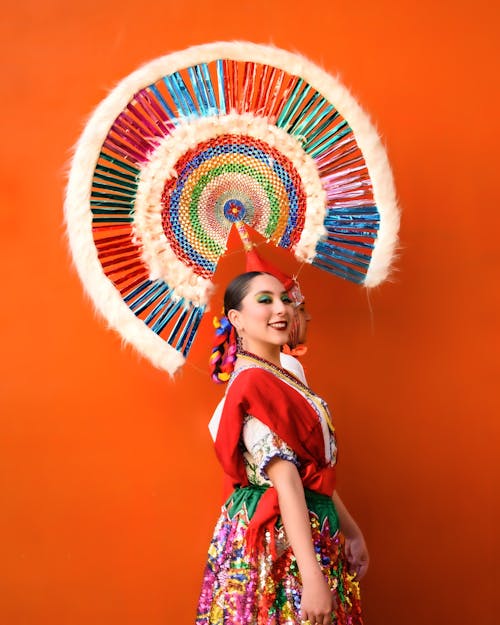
265,589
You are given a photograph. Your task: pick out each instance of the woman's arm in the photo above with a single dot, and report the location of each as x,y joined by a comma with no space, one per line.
318,601
355,545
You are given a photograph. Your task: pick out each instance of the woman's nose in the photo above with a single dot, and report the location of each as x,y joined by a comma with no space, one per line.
280,306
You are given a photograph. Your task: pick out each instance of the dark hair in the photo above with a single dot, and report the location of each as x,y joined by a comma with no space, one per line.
237,289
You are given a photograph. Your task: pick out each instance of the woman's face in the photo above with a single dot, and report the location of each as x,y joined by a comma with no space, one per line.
265,317
303,318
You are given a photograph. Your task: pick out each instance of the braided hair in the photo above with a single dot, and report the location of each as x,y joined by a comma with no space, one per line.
223,356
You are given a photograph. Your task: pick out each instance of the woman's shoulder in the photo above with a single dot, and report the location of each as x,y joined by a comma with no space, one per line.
291,364
251,378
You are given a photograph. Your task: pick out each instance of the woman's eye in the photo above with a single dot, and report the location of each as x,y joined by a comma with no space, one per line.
286,299
264,299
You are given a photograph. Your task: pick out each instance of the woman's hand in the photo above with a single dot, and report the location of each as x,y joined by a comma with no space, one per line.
355,546
357,555
318,601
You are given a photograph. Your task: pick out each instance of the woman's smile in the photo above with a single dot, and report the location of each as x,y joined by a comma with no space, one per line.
279,325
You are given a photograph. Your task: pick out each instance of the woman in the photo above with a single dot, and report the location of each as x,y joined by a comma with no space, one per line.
276,555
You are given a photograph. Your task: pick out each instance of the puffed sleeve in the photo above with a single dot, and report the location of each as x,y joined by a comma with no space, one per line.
263,445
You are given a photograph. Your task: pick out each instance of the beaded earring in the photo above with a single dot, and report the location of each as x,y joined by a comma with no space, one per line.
239,342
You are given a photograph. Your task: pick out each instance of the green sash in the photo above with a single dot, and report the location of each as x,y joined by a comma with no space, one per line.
247,497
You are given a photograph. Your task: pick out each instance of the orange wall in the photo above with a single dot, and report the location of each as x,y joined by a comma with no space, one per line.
110,488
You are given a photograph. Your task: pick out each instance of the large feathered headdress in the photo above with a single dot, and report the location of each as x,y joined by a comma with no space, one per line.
196,141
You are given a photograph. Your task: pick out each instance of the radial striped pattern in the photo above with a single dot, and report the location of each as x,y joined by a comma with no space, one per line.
224,180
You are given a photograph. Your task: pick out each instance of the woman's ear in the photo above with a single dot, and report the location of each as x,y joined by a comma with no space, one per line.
234,316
